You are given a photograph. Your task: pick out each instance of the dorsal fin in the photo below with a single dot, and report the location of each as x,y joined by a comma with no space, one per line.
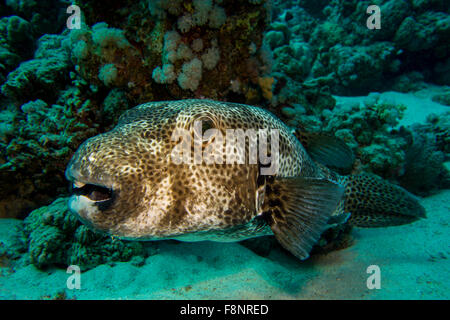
326,149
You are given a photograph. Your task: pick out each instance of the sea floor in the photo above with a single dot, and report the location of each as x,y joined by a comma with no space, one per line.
413,261
419,104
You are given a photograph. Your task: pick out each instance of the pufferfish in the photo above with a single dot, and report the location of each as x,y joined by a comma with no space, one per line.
127,184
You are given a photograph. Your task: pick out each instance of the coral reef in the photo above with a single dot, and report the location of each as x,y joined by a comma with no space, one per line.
21,24
60,87
331,42
443,98
51,235
368,127
103,57
42,76
84,78
426,160
179,45
37,143
16,43
319,48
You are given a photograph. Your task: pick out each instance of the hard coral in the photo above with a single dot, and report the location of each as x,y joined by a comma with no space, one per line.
428,151
366,127
34,158
42,76
54,236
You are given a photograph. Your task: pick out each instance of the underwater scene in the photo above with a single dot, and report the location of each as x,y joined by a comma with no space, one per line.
224,150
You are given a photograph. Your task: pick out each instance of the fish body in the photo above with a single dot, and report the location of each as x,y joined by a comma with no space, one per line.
177,170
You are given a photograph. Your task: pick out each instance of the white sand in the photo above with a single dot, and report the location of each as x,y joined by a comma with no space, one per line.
419,104
413,260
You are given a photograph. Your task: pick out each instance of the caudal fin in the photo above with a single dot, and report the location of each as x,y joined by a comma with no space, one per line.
374,202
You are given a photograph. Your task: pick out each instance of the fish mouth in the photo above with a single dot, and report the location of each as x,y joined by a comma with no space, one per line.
90,191
94,192
98,195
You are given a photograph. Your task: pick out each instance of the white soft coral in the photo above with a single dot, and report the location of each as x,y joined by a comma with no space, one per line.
191,75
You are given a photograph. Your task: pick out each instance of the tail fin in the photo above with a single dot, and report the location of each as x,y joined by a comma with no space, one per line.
374,202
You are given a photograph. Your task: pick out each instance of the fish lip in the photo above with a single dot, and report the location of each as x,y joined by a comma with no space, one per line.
94,193
91,190
101,197
79,180
77,184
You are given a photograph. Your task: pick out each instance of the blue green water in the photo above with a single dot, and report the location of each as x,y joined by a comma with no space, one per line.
374,75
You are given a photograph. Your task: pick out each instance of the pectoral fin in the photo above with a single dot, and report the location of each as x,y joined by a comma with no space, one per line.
298,210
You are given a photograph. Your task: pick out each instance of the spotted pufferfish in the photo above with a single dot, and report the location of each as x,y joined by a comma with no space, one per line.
125,183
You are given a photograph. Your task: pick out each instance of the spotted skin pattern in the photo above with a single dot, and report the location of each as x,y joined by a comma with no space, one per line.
155,198
390,205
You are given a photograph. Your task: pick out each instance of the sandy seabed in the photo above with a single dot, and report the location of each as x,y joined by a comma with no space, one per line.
413,261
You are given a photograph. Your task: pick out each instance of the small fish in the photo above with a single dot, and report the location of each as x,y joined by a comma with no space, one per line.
144,180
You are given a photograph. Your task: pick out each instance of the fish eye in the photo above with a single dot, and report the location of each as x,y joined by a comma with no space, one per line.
207,124
201,125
